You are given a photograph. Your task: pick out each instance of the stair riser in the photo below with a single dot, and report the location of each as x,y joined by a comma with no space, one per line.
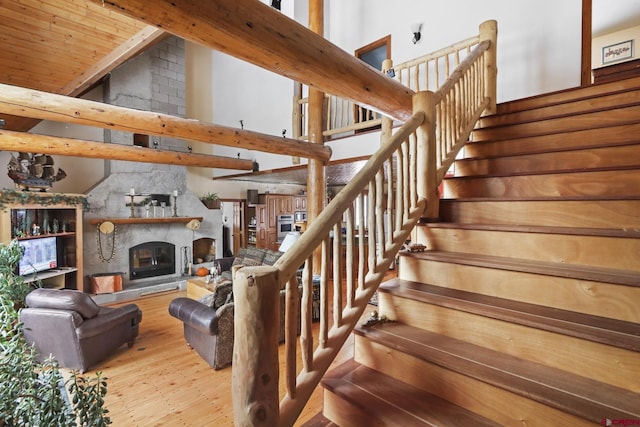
571,354
609,157
614,117
600,299
504,407
580,184
554,213
596,251
344,413
609,136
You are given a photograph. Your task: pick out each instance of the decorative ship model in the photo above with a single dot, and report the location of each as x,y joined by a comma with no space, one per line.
34,171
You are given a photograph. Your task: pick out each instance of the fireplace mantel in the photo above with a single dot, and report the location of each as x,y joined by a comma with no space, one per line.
135,220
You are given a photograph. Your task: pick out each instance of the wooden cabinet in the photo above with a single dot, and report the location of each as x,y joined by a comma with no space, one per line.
49,226
300,203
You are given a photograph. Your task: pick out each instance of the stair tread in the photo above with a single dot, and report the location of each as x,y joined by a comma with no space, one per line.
543,172
605,275
632,233
394,402
568,392
594,328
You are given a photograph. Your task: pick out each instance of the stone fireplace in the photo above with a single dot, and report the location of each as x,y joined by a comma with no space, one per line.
153,81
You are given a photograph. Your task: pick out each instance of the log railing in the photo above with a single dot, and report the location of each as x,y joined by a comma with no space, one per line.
358,236
426,73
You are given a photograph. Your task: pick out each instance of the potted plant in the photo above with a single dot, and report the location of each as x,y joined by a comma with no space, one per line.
32,392
211,200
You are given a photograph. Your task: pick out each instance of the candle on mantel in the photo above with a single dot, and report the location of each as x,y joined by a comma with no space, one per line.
132,191
175,193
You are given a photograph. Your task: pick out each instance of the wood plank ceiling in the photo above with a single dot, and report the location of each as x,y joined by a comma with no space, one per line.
64,46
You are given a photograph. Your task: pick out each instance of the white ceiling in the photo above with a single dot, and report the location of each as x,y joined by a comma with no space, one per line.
614,15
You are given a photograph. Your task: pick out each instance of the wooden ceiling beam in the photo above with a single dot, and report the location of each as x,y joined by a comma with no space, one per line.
40,105
254,32
34,143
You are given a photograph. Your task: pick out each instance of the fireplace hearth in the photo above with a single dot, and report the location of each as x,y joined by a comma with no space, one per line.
151,259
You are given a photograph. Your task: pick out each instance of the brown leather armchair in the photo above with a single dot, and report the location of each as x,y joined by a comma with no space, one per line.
74,329
208,324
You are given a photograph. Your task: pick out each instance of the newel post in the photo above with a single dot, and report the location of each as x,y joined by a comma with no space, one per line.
426,170
255,348
489,32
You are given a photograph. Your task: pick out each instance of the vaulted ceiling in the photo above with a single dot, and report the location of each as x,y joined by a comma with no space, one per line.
64,46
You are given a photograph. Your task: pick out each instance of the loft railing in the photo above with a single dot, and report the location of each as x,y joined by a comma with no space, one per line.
354,241
429,72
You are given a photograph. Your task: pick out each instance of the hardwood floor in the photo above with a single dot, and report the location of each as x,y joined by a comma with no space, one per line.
161,382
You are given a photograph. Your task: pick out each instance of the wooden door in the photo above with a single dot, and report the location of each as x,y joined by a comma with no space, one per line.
238,230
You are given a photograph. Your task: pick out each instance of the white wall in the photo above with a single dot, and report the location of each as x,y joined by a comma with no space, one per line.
539,41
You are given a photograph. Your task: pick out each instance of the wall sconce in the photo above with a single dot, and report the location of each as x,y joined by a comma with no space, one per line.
416,29
276,4
391,73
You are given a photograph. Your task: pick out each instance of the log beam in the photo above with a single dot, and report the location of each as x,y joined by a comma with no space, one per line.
34,143
43,105
254,32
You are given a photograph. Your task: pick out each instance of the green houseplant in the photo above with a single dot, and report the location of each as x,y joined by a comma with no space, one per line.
33,393
211,200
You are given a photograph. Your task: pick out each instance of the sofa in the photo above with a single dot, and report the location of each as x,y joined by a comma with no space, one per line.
246,257
208,322
78,332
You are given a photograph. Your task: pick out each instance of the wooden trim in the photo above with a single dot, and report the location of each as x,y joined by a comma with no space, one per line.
384,41
585,69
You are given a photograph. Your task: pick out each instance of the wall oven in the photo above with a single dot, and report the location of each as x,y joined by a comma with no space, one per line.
285,225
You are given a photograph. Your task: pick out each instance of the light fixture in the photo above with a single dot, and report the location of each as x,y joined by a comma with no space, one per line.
276,4
416,29
289,240
391,73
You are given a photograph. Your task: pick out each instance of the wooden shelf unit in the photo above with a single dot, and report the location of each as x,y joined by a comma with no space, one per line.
68,215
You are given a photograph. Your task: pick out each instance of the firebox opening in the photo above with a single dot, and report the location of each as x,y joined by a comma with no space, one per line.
204,250
151,259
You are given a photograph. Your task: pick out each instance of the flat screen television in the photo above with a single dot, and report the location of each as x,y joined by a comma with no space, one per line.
40,254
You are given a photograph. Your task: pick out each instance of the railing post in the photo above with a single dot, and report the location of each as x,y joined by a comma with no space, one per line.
255,347
489,32
427,173
387,122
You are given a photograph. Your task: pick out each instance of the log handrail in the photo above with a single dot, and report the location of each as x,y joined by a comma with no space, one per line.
399,183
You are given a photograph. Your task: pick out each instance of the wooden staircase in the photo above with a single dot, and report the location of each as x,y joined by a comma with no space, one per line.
525,308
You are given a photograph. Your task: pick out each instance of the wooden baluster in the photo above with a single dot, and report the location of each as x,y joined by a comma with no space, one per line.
361,242
324,295
351,287
400,185
292,296
371,225
337,274
306,332
380,208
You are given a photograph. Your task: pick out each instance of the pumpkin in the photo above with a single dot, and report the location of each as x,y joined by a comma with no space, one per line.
202,271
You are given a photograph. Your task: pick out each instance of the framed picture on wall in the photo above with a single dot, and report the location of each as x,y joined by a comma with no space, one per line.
617,52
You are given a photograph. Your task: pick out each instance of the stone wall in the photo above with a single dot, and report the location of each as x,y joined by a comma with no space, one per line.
153,81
